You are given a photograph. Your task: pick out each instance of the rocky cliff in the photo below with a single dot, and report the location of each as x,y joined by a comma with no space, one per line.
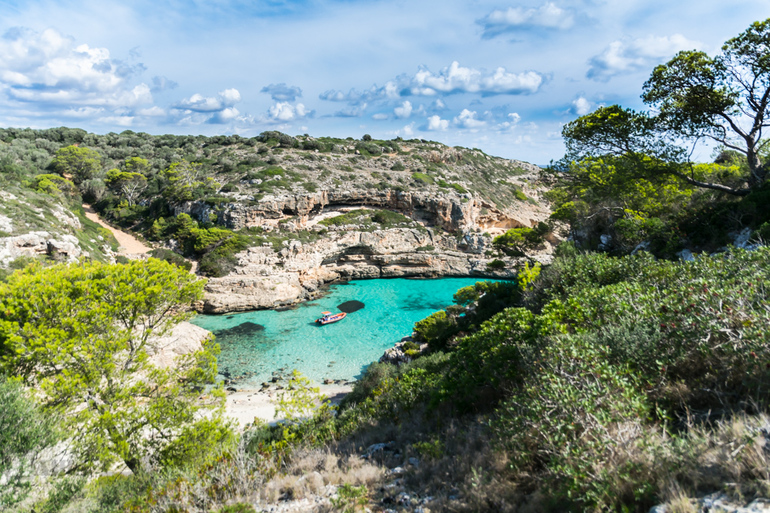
447,240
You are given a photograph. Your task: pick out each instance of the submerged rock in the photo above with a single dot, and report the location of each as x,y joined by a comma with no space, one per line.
247,328
350,306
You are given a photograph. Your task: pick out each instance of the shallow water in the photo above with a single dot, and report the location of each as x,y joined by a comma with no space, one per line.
291,339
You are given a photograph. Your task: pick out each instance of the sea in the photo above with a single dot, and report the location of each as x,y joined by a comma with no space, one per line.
256,346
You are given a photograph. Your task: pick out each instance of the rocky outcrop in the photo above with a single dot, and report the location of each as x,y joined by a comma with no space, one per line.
268,279
451,235
32,244
447,211
184,338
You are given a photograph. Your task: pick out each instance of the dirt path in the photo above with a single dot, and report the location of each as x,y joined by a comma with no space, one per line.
129,245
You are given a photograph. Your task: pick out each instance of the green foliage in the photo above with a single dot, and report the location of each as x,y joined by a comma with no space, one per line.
173,258
350,498
431,450
238,508
128,184
24,431
65,489
186,182
78,162
560,413
435,329
272,138
369,149
422,178
85,333
297,402
496,265
517,241
55,185
373,376
456,186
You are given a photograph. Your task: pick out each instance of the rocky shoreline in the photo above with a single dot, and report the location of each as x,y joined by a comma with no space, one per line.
266,279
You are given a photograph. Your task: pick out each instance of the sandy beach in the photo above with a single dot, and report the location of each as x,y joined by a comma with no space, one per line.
245,405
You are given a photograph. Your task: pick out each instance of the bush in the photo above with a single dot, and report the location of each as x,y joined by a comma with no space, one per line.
369,148
24,430
496,265
171,257
435,330
373,377
422,178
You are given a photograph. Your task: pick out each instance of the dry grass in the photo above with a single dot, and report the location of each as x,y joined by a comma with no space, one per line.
309,472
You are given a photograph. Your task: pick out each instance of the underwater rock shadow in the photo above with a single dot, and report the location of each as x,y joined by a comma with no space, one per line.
244,329
350,306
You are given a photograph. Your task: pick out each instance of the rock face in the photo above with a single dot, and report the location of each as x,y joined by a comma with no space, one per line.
184,338
448,211
63,247
452,236
266,279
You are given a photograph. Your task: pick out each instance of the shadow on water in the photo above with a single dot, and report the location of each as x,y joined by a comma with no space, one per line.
241,330
414,303
350,306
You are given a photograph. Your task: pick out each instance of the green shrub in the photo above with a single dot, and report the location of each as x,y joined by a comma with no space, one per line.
25,429
422,178
372,378
496,265
221,260
369,149
239,507
171,257
435,330
398,166
64,490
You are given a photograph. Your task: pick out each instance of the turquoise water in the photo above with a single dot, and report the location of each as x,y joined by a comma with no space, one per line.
257,344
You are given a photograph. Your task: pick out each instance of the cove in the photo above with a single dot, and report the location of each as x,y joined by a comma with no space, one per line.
257,344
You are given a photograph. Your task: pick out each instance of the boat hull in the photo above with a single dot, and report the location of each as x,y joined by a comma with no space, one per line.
331,318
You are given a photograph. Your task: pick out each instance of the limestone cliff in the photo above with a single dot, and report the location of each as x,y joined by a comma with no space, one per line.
265,278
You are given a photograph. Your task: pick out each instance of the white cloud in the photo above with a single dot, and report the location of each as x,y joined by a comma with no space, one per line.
285,111
199,103
153,111
404,111
219,109
456,79
407,131
467,119
452,79
46,67
548,15
513,119
354,111
380,116
581,106
435,123
639,54
282,93
388,91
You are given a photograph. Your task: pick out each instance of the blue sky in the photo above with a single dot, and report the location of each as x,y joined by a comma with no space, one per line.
496,75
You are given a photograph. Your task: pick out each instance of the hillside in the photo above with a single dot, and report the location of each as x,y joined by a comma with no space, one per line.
276,211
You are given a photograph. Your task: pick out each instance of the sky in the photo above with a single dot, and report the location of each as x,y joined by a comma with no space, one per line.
502,76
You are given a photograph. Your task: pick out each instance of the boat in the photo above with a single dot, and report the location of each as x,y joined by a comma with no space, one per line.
328,317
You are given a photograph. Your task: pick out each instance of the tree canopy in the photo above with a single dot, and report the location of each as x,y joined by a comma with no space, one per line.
79,163
694,97
85,333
